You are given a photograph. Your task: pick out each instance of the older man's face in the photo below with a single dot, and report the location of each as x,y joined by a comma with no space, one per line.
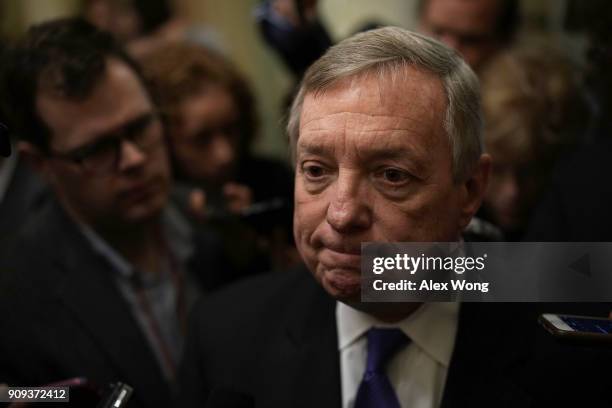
373,164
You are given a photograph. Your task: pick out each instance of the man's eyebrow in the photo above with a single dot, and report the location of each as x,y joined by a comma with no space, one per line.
119,130
391,153
138,120
314,149
402,154
370,154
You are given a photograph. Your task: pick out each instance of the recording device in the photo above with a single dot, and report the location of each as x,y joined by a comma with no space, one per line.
254,210
216,211
577,327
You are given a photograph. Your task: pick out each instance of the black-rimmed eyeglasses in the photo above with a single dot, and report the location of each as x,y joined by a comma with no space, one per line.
103,155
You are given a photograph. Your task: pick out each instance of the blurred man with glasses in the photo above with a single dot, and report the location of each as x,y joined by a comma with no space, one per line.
477,29
98,284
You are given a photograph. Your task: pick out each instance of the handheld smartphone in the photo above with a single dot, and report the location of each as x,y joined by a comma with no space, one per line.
577,327
215,206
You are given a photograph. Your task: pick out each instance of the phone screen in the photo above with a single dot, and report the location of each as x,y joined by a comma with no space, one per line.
588,325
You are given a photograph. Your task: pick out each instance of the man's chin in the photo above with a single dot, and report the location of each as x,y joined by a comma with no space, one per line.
342,284
144,212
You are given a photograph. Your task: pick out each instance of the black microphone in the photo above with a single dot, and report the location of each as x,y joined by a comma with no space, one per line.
5,141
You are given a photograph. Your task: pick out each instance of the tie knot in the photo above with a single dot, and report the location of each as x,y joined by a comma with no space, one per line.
382,346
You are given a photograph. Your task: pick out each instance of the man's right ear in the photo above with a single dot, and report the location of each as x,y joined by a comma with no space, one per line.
34,156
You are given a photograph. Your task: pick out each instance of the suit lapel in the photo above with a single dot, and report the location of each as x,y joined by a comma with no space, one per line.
306,355
317,356
89,294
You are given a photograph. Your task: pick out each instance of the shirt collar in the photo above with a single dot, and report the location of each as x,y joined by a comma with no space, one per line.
432,327
102,248
178,235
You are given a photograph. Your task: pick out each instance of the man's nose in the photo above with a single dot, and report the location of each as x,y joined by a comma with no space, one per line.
349,209
130,156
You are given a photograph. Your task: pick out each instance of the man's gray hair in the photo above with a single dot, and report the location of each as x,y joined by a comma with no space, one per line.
387,50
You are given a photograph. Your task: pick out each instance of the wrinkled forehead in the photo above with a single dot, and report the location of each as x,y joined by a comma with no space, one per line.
392,81
402,94
407,107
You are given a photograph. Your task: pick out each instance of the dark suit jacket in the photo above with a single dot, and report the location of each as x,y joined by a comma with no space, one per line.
272,342
61,316
577,205
25,193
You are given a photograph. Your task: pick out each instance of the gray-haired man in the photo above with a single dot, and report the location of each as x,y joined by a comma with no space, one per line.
385,133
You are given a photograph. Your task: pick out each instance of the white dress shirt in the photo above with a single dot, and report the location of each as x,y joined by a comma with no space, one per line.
417,372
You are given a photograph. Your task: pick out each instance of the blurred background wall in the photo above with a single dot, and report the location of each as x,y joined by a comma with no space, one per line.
236,34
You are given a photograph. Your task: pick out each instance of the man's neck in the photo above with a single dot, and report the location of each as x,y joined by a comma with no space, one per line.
387,312
142,245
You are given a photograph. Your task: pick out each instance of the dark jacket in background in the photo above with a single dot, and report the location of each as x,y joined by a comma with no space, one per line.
578,205
62,315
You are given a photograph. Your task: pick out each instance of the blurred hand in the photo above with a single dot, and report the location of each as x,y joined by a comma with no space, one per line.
197,204
237,197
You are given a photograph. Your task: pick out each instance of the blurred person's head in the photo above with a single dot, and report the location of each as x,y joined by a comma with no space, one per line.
209,107
386,136
86,121
127,20
533,110
475,28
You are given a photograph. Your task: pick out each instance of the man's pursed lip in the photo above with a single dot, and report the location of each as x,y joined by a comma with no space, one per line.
340,247
341,260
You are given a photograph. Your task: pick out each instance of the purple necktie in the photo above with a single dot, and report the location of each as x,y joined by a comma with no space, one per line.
375,389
